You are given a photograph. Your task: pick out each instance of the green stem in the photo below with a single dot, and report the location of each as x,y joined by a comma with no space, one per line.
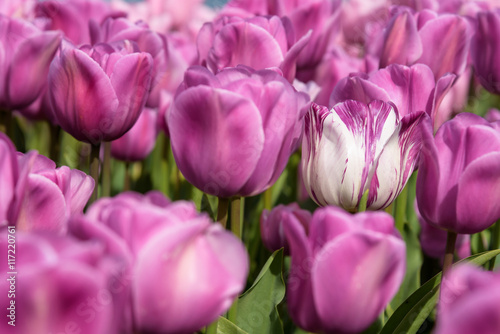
212,328
94,170
236,221
495,242
451,238
363,201
106,170
6,122
126,180
268,199
222,211
401,205
55,142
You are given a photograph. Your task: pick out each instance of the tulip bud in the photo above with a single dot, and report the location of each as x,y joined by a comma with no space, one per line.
357,147
271,225
345,271
232,133
459,175
26,53
98,93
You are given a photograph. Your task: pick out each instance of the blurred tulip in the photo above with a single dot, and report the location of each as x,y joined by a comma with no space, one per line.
139,141
232,133
441,42
272,222
356,147
459,175
26,53
229,42
98,93
344,271
485,50
77,281
52,195
492,115
18,8
179,256
469,302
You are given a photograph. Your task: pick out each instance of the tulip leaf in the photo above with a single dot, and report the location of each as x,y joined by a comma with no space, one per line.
225,326
257,308
414,311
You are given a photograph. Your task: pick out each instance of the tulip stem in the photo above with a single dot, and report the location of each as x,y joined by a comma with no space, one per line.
401,204
55,142
268,199
5,121
126,179
106,170
495,242
449,252
363,201
94,170
222,210
236,221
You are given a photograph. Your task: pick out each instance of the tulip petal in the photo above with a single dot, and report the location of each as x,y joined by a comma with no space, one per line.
478,189
8,176
358,88
81,95
368,270
218,131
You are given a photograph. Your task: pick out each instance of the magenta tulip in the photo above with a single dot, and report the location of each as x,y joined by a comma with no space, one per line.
25,56
469,302
344,271
186,271
98,93
459,175
271,225
357,147
76,281
232,133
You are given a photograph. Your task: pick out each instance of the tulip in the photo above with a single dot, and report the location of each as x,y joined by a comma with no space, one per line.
24,63
232,133
492,115
60,285
485,50
229,42
139,141
98,93
469,302
357,147
271,225
344,271
186,270
459,175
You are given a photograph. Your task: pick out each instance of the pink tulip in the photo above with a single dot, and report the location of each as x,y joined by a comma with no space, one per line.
98,93
186,270
357,147
26,53
344,271
469,302
272,225
78,282
139,141
232,133
459,175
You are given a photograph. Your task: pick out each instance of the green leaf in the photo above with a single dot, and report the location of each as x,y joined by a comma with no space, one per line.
257,308
412,313
225,326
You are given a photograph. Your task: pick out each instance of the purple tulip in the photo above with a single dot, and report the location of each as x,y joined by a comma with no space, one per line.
98,93
345,271
469,302
139,141
229,42
26,53
186,271
60,285
52,195
492,115
442,42
232,133
272,222
485,50
459,175
356,147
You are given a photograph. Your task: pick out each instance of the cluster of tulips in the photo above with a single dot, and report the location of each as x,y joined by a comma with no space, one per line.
271,166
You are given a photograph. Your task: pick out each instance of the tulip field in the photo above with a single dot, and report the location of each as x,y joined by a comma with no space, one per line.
255,166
